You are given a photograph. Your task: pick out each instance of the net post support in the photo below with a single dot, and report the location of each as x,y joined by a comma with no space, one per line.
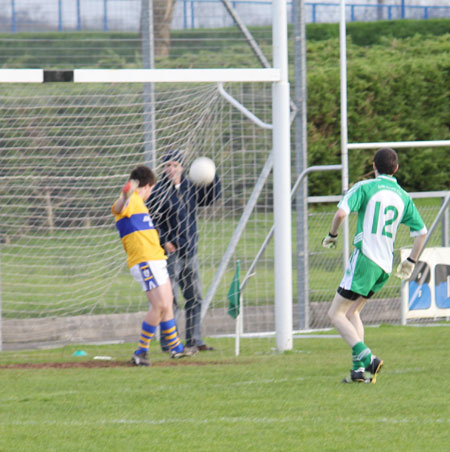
301,163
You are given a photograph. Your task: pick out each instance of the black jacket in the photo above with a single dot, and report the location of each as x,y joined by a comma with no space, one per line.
174,211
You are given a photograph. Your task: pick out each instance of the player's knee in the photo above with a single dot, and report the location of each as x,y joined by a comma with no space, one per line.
159,305
331,314
352,315
167,307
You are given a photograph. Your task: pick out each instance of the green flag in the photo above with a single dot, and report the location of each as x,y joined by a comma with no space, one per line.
234,294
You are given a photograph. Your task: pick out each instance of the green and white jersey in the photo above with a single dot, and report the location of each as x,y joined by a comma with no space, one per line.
382,205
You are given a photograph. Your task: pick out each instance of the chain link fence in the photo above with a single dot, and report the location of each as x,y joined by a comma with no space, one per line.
124,15
326,267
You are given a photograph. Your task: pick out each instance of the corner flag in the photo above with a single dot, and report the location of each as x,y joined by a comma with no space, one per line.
234,294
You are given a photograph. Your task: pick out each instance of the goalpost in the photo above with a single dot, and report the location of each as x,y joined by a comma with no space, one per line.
48,144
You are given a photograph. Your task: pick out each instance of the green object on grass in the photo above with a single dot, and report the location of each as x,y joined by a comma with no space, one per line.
234,294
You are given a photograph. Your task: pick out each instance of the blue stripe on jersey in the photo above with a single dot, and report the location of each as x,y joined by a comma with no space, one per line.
147,276
137,222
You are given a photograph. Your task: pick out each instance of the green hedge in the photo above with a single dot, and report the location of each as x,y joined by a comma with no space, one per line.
398,84
369,33
397,91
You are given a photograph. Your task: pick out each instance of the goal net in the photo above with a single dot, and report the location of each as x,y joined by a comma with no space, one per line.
67,149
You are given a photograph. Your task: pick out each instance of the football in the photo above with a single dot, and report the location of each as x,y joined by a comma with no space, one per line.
202,171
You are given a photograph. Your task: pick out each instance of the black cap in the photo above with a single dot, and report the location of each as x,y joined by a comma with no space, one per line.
174,155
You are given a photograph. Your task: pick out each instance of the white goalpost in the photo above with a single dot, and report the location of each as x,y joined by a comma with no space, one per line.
50,141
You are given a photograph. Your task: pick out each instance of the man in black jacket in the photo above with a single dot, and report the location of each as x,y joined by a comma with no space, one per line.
173,207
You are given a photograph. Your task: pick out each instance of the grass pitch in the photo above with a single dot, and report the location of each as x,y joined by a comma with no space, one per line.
215,402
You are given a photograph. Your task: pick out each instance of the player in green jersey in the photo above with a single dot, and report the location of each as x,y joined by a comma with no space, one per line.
382,205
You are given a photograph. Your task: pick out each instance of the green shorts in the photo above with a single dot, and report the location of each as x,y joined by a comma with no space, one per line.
362,276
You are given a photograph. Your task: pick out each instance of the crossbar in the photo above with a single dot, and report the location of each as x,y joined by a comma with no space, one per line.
140,75
399,144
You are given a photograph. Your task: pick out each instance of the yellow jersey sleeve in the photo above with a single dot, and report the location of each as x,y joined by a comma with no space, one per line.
139,237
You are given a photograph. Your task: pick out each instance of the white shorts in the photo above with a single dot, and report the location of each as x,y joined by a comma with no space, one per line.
150,274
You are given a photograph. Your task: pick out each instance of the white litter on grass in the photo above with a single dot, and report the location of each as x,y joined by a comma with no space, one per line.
102,358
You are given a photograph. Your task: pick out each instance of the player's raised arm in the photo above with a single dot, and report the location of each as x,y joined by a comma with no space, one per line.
127,190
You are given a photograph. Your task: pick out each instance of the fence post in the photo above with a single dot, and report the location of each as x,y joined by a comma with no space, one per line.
1,334
60,21
445,226
148,62
13,16
301,163
78,15
105,15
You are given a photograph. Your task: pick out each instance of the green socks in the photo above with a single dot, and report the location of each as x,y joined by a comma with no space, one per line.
361,355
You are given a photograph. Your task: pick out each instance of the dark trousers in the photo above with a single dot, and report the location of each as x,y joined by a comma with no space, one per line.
184,273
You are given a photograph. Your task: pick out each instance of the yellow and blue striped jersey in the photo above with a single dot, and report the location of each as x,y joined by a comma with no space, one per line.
139,237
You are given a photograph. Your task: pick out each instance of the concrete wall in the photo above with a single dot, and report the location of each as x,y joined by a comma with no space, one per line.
33,333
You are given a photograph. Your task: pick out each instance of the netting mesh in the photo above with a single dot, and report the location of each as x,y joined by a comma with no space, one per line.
66,152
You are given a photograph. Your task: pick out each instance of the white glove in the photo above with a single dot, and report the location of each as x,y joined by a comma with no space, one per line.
330,241
405,269
129,188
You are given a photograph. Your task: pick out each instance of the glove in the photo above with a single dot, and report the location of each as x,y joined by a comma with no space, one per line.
405,268
129,188
330,241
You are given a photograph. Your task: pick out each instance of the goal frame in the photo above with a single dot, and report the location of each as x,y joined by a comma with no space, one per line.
278,76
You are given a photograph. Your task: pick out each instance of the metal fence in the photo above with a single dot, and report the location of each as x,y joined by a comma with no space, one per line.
123,15
326,267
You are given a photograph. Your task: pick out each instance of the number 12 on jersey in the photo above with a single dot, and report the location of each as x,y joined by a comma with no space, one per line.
390,214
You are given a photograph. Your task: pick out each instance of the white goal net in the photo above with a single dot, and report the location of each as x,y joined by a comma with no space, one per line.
67,149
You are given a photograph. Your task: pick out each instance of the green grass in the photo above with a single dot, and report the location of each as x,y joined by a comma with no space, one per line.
257,402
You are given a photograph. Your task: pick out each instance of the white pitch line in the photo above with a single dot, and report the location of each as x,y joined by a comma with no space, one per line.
404,371
317,336
268,381
37,396
231,420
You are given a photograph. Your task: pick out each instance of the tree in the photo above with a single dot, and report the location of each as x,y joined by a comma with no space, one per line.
162,18
163,13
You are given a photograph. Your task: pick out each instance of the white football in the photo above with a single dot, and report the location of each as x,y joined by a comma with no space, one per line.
202,171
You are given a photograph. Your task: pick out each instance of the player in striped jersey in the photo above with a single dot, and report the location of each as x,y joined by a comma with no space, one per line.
147,263
382,205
